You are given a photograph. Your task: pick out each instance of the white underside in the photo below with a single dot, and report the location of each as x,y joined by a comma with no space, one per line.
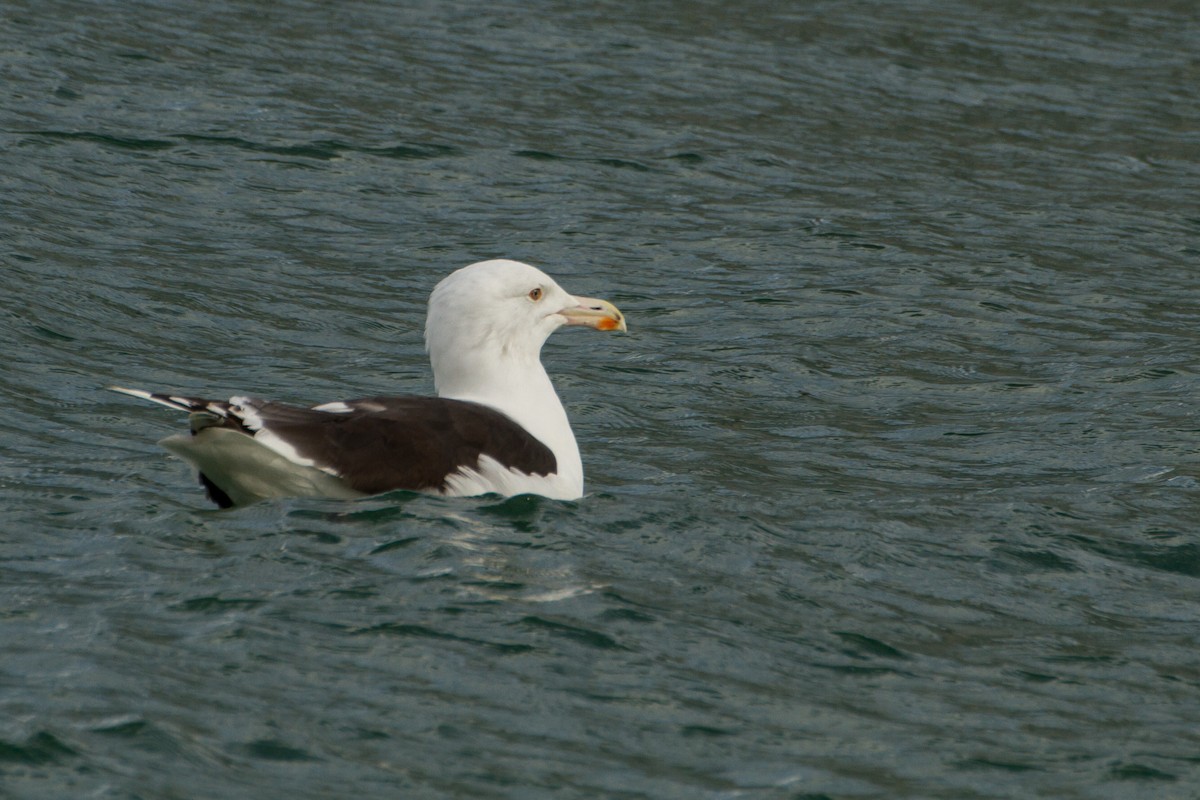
249,470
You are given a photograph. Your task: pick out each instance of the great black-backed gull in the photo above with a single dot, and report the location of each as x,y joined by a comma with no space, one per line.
496,426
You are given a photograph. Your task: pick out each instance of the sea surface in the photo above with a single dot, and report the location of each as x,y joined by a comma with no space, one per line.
893,487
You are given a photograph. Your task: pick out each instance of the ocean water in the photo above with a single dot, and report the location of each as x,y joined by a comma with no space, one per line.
892,484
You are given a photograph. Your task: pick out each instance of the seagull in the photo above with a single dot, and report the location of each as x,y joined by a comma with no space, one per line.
496,425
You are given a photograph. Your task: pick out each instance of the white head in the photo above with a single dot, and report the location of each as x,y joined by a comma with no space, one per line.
503,310
484,333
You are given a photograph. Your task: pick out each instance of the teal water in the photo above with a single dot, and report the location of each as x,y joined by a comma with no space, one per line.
892,486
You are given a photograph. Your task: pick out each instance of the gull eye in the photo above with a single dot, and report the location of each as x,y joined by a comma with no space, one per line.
535,294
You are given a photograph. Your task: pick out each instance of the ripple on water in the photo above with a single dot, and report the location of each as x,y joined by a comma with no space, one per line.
890,484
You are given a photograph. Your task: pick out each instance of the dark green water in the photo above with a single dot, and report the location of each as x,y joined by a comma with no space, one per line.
893,485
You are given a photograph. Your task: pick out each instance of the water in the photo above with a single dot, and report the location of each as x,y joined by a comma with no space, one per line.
892,485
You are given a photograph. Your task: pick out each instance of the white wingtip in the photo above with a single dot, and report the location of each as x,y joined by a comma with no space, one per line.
153,398
131,392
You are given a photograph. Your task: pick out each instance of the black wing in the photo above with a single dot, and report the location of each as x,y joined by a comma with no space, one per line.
379,444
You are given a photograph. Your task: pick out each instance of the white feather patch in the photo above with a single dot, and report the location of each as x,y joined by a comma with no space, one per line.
492,477
334,408
218,409
244,408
